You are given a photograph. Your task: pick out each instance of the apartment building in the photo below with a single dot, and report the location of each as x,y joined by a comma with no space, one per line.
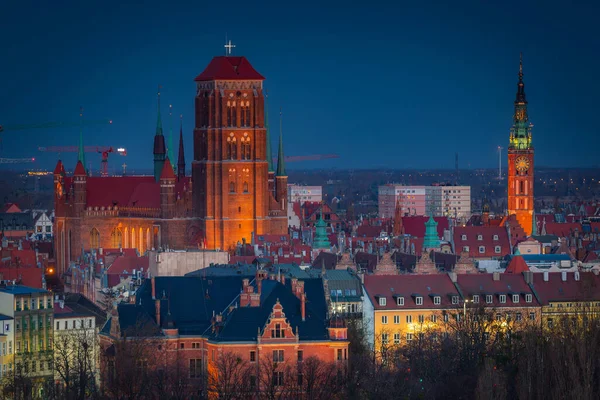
301,194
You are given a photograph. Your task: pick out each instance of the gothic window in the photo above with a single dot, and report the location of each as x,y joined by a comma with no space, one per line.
231,187
126,242
231,147
522,187
141,241
245,143
245,187
133,242
245,113
94,238
231,113
116,238
148,239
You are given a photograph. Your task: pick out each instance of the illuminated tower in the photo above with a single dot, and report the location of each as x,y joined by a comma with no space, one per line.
520,161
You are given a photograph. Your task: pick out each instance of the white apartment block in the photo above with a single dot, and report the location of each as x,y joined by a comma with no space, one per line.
456,201
449,201
301,194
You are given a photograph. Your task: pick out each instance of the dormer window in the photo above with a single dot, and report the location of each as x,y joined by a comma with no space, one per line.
437,300
528,298
479,237
454,299
502,298
475,298
466,248
419,301
400,301
497,249
481,249
382,301
488,298
495,237
515,298
463,237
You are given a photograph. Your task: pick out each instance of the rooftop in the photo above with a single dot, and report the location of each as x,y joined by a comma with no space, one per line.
19,289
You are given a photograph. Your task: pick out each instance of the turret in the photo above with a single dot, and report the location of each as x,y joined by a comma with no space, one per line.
80,184
281,178
181,157
159,146
167,190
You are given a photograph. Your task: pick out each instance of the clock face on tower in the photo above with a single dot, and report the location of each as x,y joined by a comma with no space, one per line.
522,163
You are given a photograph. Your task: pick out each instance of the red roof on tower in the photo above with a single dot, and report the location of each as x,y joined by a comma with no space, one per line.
59,167
79,169
167,171
517,265
229,68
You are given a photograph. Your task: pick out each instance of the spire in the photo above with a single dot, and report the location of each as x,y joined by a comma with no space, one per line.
269,151
280,156
321,239
431,240
159,144
520,132
81,150
170,138
181,158
521,85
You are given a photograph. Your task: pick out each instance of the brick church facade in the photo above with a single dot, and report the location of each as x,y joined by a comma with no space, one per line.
235,190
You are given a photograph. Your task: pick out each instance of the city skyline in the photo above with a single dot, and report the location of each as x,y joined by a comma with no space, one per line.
446,84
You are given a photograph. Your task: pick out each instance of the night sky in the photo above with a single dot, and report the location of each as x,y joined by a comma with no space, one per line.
380,84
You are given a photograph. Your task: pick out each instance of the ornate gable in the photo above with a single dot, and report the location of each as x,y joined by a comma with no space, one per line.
277,327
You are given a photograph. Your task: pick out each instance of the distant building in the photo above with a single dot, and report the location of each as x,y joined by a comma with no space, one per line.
179,263
412,200
448,201
456,201
7,340
300,194
43,226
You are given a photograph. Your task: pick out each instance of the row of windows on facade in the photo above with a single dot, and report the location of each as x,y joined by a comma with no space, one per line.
33,346
7,348
34,303
245,149
116,238
479,237
437,300
32,366
232,187
33,323
76,324
446,317
39,229
497,249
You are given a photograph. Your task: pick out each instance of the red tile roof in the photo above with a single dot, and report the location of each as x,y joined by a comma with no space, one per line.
487,234
79,170
507,284
167,171
229,68
562,229
555,289
11,208
415,225
409,287
517,265
30,276
59,167
125,265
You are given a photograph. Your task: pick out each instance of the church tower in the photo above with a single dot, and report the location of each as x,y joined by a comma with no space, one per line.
230,168
520,162
159,150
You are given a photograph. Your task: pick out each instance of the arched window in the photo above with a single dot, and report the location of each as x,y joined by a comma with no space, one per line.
133,242
247,112
126,241
245,187
148,239
231,114
232,187
94,238
116,238
232,147
245,150
141,241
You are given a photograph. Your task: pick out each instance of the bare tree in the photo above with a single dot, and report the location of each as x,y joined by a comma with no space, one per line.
75,356
229,377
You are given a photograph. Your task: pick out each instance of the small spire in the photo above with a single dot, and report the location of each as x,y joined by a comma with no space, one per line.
269,151
159,129
81,150
521,65
170,138
181,158
280,156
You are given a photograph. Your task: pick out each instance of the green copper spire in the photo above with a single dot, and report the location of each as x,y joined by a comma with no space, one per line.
81,150
269,151
321,240
520,132
280,156
431,240
170,139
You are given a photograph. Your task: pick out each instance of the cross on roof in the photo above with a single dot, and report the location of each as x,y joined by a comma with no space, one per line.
228,47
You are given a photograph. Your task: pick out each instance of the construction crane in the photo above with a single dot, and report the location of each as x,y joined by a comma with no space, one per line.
312,157
16,160
104,150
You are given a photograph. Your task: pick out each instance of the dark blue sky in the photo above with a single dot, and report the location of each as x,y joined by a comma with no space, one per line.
382,84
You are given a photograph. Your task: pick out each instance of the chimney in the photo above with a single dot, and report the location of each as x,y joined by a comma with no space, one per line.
564,276
576,275
100,251
303,306
452,276
545,276
157,307
496,276
153,288
294,284
528,275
